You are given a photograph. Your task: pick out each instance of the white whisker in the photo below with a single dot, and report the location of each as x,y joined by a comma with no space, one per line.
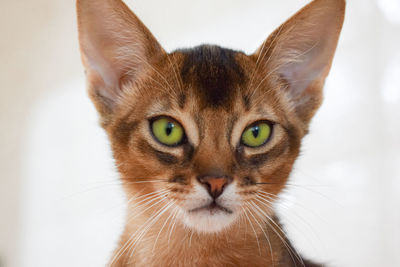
121,251
255,234
289,248
162,227
266,236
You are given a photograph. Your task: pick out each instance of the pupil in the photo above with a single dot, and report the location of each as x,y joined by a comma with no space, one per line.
255,131
169,128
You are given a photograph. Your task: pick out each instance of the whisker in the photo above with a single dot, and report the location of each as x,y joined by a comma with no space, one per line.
160,198
190,239
255,234
266,237
124,247
142,230
282,204
118,207
283,241
101,185
295,225
162,227
173,226
277,233
128,243
165,208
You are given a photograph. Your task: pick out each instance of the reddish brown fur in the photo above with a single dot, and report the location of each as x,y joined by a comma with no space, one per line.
210,91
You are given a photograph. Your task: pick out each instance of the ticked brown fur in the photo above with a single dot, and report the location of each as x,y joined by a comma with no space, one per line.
214,93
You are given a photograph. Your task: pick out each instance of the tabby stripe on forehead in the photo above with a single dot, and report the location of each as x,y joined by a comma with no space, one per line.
213,73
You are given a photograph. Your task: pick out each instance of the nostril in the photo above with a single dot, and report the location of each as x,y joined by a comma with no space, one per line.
214,185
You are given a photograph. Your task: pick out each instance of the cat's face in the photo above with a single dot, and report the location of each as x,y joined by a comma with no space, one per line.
209,133
199,126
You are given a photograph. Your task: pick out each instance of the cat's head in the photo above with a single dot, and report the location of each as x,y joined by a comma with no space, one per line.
208,132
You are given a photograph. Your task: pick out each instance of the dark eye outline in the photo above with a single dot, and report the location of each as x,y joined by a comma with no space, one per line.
269,123
153,119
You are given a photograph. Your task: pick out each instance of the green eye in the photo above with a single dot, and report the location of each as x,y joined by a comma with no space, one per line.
257,134
167,131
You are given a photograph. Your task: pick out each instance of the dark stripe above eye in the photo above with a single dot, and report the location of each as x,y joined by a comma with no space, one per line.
246,102
182,100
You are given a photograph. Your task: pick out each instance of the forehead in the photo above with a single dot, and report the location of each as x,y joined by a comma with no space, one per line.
205,79
213,75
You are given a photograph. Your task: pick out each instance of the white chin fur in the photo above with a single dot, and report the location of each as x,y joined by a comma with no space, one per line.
206,222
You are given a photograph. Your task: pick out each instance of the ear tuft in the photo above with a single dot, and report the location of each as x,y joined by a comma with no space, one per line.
115,46
300,52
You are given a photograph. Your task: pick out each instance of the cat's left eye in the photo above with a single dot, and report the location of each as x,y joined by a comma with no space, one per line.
167,131
257,134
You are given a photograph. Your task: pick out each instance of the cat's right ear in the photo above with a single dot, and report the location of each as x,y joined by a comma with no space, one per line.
115,47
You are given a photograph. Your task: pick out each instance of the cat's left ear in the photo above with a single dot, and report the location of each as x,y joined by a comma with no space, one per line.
300,53
115,48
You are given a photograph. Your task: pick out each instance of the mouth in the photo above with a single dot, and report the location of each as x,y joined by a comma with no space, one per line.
213,208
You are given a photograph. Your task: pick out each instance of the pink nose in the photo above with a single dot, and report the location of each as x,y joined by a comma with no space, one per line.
215,185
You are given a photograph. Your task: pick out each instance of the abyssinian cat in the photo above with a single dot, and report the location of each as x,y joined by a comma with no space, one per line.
205,138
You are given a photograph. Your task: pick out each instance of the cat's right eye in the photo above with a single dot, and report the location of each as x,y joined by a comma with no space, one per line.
167,131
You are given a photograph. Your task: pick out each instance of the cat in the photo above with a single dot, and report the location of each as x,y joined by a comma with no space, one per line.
205,138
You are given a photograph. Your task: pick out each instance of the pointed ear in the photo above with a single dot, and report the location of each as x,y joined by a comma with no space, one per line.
300,53
115,46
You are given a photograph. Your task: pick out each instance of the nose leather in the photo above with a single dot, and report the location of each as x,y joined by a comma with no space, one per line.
214,185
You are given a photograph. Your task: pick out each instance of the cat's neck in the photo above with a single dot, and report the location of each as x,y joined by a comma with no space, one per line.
169,244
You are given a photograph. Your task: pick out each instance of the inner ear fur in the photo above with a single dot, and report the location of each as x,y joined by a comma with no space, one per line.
115,47
300,52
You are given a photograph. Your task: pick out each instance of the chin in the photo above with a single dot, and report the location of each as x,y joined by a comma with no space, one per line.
209,221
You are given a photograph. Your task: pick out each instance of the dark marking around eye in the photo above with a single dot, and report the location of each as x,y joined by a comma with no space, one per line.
124,130
188,151
260,159
163,157
270,155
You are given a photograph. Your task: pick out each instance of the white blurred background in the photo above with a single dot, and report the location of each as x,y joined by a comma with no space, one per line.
59,202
